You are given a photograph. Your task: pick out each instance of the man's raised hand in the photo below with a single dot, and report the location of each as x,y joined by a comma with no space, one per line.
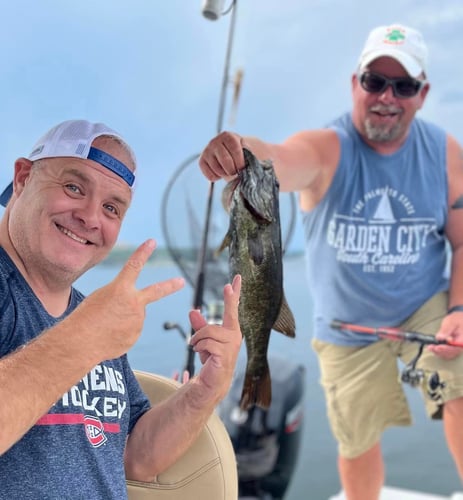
113,315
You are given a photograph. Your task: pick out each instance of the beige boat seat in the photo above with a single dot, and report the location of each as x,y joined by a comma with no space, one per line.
207,470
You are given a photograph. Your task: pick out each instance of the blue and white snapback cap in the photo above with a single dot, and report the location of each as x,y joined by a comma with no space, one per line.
74,138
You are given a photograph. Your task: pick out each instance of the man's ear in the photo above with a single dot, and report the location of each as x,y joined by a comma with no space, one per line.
22,170
423,93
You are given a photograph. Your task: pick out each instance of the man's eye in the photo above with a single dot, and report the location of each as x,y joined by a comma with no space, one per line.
73,188
111,208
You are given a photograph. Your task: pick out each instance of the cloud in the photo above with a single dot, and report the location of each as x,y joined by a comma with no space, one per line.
154,71
439,16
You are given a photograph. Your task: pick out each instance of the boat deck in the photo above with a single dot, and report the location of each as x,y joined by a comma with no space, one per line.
390,493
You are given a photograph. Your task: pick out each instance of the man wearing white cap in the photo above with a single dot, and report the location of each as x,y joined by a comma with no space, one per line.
74,421
380,192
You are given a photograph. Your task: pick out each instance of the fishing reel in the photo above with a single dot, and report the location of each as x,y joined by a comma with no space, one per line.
410,374
415,376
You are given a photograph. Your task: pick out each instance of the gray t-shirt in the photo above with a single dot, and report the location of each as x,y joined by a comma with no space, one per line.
76,450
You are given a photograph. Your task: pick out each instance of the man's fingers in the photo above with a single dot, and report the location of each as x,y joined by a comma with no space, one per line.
231,298
444,351
223,156
197,320
131,271
136,261
185,376
157,291
231,295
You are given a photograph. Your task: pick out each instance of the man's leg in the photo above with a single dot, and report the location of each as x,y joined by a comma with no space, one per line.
453,427
362,477
364,396
448,400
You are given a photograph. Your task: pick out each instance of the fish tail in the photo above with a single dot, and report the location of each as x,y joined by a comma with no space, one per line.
257,390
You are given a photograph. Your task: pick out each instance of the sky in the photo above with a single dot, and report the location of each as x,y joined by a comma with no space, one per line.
153,70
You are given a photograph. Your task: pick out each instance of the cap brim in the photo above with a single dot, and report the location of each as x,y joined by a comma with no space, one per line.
6,195
411,66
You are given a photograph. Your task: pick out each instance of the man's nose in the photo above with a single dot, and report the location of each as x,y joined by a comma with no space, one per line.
388,92
89,213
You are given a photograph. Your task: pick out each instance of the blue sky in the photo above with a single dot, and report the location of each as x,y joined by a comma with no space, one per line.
153,70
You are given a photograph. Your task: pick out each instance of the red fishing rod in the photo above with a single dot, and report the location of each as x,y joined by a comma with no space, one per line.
410,374
394,334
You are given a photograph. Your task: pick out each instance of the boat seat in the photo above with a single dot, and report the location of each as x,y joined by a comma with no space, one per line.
207,470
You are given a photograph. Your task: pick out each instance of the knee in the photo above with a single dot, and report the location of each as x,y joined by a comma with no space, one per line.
361,454
454,408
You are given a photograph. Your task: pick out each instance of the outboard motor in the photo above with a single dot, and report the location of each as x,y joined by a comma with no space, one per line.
266,442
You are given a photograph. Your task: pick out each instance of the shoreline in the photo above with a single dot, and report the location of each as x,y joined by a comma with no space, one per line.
162,256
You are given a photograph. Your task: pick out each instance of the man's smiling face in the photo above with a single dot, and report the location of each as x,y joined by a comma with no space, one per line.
67,212
382,118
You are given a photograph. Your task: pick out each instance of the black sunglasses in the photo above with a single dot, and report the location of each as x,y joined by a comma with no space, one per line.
403,87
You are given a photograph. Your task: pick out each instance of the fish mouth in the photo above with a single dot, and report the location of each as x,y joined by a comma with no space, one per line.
72,235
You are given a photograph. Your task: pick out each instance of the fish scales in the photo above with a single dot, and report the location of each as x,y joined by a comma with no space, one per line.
255,252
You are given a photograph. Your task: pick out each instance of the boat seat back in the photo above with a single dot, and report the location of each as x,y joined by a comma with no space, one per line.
207,470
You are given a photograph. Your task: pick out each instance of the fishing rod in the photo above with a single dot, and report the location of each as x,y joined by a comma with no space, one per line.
200,279
394,334
410,374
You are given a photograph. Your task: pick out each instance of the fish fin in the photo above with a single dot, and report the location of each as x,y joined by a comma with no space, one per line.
285,322
257,391
225,243
227,193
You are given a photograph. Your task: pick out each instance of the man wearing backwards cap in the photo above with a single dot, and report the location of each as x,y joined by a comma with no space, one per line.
74,421
380,192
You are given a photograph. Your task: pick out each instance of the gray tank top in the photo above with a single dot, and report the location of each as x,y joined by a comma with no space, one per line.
375,244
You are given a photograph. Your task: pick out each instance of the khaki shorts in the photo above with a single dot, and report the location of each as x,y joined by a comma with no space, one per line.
363,391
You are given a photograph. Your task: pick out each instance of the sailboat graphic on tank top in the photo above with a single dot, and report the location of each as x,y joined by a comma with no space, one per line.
383,213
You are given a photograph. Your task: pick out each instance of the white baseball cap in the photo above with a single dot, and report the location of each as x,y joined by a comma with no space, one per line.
404,44
74,138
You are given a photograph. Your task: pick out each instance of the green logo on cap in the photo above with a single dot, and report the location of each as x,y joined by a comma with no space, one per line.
395,36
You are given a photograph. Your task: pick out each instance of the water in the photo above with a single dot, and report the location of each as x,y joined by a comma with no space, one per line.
416,457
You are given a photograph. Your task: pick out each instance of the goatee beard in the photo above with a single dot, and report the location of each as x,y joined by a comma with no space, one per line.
382,132
377,133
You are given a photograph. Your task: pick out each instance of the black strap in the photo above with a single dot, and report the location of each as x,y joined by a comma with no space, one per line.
453,309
